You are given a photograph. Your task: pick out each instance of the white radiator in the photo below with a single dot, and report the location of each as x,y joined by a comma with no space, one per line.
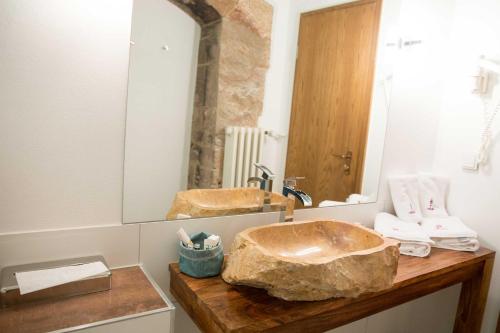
243,148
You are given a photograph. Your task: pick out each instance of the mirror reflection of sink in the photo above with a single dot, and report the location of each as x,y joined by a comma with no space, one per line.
312,260
224,201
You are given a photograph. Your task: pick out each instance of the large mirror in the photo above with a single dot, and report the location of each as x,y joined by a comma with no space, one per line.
249,106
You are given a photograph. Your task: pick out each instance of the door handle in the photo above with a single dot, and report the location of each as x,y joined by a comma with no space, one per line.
347,157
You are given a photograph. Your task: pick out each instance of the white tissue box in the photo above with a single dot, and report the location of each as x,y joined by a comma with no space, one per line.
10,294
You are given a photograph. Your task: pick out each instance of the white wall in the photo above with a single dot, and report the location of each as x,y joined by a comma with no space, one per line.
63,87
275,97
381,96
474,196
160,108
416,90
119,245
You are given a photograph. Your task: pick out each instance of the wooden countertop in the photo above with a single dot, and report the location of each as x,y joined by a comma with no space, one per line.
131,294
216,306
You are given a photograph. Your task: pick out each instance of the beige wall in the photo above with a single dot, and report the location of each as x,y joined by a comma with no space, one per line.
63,85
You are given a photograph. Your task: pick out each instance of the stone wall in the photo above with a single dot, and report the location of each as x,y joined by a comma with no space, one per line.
232,62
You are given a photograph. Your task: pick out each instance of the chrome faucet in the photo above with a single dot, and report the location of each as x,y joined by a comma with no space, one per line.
265,183
289,187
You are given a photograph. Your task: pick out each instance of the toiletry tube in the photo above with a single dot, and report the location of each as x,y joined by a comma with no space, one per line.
214,237
183,236
212,241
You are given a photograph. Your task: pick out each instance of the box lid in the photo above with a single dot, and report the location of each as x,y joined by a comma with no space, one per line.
9,282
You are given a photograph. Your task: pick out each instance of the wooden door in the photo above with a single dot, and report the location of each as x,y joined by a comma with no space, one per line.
332,98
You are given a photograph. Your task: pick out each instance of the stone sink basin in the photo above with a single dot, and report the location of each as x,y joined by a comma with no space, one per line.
312,260
224,201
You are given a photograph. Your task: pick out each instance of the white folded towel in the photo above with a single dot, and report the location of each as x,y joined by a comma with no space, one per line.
447,227
432,192
415,249
356,198
451,233
330,203
414,241
404,193
457,244
351,199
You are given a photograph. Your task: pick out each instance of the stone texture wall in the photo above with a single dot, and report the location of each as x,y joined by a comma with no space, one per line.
232,63
203,128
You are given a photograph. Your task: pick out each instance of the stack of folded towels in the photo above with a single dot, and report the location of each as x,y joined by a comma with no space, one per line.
414,241
422,219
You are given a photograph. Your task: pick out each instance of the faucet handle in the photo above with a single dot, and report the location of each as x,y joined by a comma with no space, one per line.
292,181
252,180
266,172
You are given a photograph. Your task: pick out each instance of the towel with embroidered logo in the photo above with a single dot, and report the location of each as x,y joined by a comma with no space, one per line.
414,241
450,233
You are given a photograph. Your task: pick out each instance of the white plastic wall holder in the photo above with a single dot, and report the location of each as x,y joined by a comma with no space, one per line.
486,69
469,162
482,80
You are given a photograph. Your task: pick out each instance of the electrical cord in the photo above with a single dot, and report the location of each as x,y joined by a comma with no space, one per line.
484,148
